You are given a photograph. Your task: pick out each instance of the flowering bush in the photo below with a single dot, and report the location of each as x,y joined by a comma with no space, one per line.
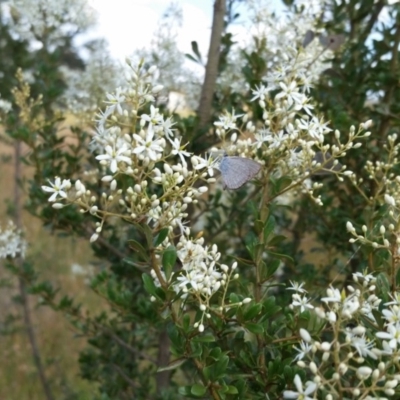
199,304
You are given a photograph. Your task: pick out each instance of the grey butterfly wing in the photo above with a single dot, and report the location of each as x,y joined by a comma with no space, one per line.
236,171
332,42
308,38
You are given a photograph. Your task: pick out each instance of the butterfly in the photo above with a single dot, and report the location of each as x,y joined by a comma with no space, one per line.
236,171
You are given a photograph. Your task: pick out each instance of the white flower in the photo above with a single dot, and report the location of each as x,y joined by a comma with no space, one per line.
262,136
350,305
155,118
395,299
297,287
302,351
200,163
295,158
363,346
307,107
392,315
166,126
315,128
300,394
178,150
228,121
291,93
5,105
306,82
393,335
386,349
149,147
58,188
115,101
363,277
260,92
276,140
115,155
11,242
334,296
199,274
301,302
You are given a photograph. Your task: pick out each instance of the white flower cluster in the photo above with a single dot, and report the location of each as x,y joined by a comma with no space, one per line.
385,234
350,360
149,152
11,242
292,136
42,18
201,275
270,34
123,153
5,106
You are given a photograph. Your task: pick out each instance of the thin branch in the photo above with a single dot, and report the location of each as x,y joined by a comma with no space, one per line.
126,378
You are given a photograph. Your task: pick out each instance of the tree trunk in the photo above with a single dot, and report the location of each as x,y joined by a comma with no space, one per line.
162,378
211,72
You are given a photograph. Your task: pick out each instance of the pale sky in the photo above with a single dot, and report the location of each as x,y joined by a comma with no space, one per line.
129,24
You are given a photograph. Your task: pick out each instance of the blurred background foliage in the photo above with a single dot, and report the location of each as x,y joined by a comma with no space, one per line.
111,328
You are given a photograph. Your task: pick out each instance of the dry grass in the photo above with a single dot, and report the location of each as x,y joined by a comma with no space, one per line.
58,344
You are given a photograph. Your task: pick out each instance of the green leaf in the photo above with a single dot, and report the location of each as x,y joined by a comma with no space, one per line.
186,323
148,234
190,57
269,268
220,367
169,260
130,261
149,284
195,49
281,184
254,328
208,372
173,365
198,390
269,228
251,242
176,338
244,261
160,293
197,349
184,390
269,309
383,285
258,226
231,390
233,298
204,338
162,235
252,311
283,257
215,353
139,249
276,240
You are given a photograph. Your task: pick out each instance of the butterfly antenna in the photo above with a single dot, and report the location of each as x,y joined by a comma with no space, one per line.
344,266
